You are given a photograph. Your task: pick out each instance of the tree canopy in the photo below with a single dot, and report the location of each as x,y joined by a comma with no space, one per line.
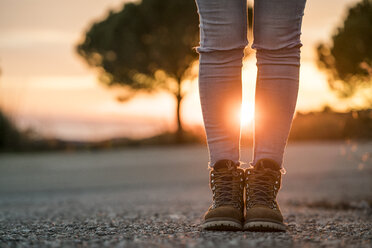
145,46
348,59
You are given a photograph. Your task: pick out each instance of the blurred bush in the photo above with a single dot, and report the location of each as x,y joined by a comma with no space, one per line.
330,125
10,137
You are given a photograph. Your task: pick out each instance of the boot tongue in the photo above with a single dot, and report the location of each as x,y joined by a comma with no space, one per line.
267,164
224,164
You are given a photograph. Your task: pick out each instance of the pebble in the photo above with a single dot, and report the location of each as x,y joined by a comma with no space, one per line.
310,227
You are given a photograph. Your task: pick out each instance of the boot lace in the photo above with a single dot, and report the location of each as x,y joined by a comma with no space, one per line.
227,187
262,187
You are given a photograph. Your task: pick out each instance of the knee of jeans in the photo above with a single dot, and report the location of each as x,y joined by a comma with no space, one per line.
231,35
222,50
222,44
223,25
283,56
281,41
227,37
217,58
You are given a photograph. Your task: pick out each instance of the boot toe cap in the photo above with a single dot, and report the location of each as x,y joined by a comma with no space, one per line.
224,212
264,214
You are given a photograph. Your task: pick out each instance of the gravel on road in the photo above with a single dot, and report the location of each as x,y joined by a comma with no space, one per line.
132,198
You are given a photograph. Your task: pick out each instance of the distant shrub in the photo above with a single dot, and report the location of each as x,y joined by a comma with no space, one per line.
10,137
329,125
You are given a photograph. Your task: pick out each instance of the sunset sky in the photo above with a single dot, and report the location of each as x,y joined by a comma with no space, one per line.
46,86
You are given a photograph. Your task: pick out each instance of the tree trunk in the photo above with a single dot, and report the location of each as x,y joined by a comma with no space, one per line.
179,132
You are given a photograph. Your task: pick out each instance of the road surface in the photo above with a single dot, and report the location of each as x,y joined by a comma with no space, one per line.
155,197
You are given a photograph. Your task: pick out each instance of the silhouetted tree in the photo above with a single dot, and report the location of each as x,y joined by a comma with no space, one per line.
348,60
145,46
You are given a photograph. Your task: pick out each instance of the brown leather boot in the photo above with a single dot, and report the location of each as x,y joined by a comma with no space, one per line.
262,185
227,210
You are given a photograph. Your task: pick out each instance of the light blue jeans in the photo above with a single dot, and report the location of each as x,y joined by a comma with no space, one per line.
223,37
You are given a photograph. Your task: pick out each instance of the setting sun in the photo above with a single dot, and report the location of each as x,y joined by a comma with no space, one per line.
246,114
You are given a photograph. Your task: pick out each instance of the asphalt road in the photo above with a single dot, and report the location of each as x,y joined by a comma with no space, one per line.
155,197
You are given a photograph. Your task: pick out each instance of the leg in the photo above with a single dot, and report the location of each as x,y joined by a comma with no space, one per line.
223,36
277,30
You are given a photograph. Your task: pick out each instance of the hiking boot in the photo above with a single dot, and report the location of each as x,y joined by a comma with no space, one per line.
227,209
262,183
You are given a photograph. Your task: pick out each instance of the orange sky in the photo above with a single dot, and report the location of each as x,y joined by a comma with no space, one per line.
46,86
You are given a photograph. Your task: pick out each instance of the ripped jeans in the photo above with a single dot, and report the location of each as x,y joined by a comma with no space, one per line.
223,37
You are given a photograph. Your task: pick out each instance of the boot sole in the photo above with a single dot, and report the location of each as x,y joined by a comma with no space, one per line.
219,224
264,226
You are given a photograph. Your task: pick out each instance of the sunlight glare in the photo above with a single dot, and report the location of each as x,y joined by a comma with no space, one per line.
246,114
